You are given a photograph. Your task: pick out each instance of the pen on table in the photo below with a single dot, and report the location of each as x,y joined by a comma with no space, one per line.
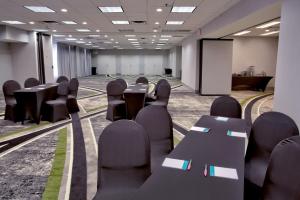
190,165
205,170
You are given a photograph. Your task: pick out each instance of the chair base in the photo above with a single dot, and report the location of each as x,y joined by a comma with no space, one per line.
55,112
116,111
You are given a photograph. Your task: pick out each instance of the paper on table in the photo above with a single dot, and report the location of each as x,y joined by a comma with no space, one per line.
175,163
128,89
223,172
224,119
237,134
200,129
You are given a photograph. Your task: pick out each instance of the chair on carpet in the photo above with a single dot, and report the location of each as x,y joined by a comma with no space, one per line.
62,79
31,82
226,106
124,157
55,110
142,80
162,95
267,131
152,96
158,124
122,82
283,175
73,91
11,109
116,108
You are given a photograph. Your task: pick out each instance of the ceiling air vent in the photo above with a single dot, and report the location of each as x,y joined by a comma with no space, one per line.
49,22
138,22
173,31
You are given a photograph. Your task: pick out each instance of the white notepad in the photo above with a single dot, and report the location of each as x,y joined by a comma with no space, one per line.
128,89
223,172
27,88
223,119
237,134
175,163
200,129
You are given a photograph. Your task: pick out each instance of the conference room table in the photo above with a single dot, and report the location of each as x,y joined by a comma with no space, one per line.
135,95
30,100
215,148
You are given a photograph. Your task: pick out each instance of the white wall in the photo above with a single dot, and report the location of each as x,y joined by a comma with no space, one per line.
260,52
48,59
287,95
190,62
5,63
175,61
148,62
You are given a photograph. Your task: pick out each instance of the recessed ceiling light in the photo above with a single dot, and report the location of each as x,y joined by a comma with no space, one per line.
116,46
268,24
155,30
132,39
160,44
107,42
88,44
157,23
84,23
175,22
59,35
166,36
31,23
130,35
80,42
153,35
270,33
63,10
157,48
12,22
183,9
112,39
114,9
117,42
80,39
54,31
98,30
159,10
83,30
94,35
120,22
69,35
134,42
40,9
152,42
71,39
267,30
106,36
40,30
164,39
69,22
242,33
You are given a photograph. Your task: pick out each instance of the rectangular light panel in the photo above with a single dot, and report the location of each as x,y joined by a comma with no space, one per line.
40,9
183,9
114,9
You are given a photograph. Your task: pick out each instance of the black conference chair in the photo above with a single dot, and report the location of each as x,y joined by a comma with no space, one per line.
152,95
116,108
73,91
158,123
31,82
162,95
122,82
226,106
267,131
55,110
11,109
62,79
283,175
124,157
142,80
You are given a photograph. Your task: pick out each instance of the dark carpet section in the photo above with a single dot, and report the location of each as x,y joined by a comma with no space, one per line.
248,109
180,129
79,173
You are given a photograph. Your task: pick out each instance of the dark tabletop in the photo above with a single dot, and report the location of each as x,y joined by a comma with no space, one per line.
137,88
37,88
214,148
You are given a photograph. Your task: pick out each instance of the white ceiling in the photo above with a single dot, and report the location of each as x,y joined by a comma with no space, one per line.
87,10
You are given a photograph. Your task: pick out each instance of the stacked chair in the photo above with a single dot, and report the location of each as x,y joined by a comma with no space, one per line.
11,108
161,94
142,80
158,124
124,158
31,82
62,79
283,175
267,131
226,106
73,91
55,110
116,108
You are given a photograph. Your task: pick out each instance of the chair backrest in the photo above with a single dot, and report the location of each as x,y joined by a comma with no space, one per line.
63,90
226,106
31,82
62,79
283,175
163,92
142,79
114,90
9,87
157,122
124,156
157,84
73,87
122,82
